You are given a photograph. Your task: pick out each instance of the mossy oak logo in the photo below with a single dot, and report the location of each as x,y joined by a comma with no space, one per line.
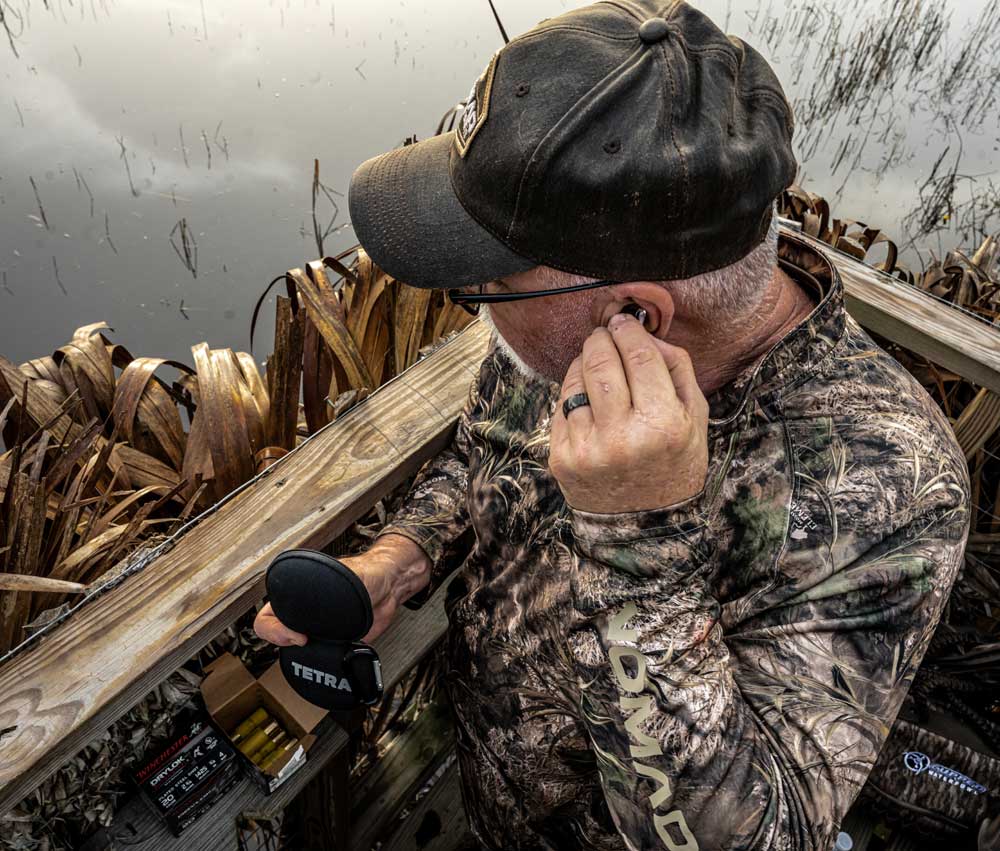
477,108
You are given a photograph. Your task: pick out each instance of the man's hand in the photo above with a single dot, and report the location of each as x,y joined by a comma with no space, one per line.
392,571
642,443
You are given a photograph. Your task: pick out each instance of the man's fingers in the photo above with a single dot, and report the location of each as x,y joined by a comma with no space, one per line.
268,627
604,377
581,418
682,375
650,386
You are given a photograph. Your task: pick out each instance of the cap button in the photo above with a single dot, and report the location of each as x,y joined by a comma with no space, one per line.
654,30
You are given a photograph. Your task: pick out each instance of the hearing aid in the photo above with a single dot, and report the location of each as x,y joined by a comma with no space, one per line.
634,310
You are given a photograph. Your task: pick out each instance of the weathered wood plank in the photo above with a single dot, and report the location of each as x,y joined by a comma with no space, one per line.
57,695
919,322
377,799
437,822
412,635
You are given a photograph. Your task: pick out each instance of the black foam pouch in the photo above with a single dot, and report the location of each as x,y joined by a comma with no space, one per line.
319,596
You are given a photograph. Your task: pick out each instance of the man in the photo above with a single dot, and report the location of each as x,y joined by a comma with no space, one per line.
710,546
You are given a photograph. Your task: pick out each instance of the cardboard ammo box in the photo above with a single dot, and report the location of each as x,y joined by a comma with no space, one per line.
193,771
231,694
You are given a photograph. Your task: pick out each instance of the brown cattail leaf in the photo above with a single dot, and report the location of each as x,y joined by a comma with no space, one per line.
255,400
225,424
189,506
119,508
371,286
325,311
978,422
411,313
197,468
356,297
268,456
88,361
317,370
376,345
144,413
284,375
442,320
45,398
17,582
28,527
44,368
338,267
136,526
75,564
851,246
136,469
73,453
64,530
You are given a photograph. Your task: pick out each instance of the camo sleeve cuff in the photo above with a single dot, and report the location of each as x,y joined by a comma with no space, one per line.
640,541
681,518
426,537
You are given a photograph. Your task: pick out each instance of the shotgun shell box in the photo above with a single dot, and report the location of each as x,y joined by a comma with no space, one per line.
200,802
233,696
197,766
164,760
206,754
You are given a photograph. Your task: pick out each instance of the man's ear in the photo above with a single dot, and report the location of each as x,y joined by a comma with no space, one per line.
651,297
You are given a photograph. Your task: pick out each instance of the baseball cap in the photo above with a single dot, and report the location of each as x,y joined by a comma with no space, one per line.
626,140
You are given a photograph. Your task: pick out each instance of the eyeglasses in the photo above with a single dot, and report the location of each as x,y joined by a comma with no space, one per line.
469,302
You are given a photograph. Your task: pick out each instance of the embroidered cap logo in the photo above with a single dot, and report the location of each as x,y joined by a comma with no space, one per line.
476,109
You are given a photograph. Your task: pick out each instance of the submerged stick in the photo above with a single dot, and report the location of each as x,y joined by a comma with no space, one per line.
224,146
82,181
128,171
319,187
107,232
188,249
55,268
41,209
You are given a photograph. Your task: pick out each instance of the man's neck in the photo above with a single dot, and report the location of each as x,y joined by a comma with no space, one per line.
720,351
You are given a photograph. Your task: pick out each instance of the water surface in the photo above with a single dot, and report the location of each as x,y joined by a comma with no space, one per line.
171,144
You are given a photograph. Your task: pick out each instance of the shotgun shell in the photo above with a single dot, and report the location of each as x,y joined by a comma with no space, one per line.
272,757
255,719
257,738
258,755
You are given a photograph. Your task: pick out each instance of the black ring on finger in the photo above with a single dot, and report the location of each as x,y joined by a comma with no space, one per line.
577,400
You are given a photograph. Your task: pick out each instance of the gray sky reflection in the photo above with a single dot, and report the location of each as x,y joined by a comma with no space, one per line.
256,90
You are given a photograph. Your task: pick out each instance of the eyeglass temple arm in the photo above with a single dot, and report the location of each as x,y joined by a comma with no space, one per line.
478,298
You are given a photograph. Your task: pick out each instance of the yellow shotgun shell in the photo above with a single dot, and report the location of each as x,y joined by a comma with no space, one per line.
271,758
257,738
258,755
256,718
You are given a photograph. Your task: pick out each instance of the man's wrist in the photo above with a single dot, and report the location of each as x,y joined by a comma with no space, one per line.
409,567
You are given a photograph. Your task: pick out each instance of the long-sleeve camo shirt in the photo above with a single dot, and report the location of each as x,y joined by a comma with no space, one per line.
716,674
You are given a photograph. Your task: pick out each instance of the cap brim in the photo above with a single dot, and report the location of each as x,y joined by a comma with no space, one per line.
407,217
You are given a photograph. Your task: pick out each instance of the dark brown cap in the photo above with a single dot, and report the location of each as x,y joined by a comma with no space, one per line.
627,140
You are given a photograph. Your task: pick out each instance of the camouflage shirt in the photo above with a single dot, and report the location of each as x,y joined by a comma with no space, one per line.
719,673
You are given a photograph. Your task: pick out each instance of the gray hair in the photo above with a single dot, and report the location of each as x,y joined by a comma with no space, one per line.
732,291
722,294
